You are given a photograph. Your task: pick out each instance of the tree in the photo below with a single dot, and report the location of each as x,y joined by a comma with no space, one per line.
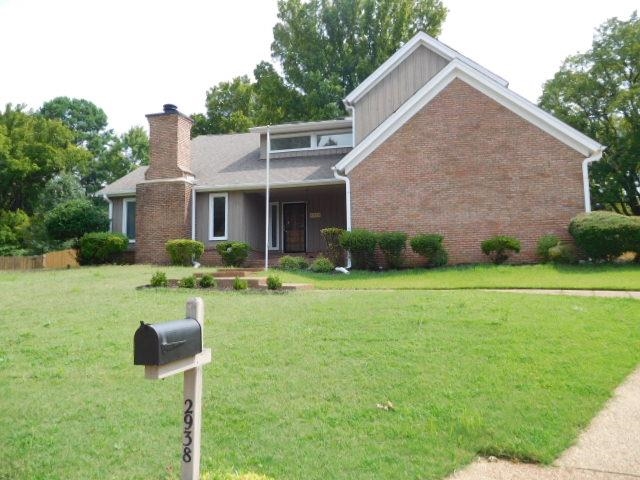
598,92
230,108
325,48
64,186
33,150
328,47
111,156
72,219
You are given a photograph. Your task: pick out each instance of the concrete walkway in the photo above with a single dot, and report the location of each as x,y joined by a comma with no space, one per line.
608,449
576,293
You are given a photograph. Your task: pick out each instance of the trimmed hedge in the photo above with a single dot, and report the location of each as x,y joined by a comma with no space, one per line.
545,243
498,248
289,262
207,281
233,254
362,246
430,246
322,265
392,245
159,279
335,252
605,235
183,251
274,282
101,247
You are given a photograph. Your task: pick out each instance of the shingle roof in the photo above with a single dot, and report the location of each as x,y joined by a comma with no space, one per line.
233,161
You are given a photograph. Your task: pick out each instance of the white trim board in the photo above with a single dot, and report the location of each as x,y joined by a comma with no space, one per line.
418,40
505,97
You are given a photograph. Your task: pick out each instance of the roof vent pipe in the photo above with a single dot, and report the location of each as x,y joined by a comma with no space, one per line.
169,108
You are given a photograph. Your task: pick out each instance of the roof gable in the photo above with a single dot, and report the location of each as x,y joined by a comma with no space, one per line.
421,39
497,91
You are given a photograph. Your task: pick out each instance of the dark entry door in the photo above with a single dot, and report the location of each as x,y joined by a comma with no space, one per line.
295,224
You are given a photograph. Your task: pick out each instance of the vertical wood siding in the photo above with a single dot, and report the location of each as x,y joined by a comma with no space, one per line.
395,89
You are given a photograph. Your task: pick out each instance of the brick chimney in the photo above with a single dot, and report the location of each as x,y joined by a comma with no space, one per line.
163,199
169,144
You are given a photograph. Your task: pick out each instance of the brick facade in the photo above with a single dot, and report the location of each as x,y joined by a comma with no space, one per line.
163,212
163,200
169,146
468,168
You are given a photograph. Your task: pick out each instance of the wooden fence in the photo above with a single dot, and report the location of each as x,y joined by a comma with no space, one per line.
60,259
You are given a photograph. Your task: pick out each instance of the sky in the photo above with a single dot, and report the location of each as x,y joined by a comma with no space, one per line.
130,57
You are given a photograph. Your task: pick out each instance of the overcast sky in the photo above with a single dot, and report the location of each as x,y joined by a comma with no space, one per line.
130,57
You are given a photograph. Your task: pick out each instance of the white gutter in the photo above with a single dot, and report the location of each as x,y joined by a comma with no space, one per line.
347,187
585,178
193,213
266,207
108,200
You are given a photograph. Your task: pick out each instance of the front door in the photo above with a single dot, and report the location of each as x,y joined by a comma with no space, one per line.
294,217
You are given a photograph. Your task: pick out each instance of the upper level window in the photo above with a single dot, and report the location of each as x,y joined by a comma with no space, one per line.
280,143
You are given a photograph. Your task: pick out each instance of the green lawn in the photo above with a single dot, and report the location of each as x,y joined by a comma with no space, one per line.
584,277
296,377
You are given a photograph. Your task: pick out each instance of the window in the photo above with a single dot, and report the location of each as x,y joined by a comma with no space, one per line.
274,226
218,216
290,143
312,141
129,219
335,140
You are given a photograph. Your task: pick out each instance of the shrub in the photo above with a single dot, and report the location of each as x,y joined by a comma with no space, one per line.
233,254
322,265
362,246
498,248
293,263
392,245
187,282
101,247
159,279
240,284
562,253
335,252
605,235
274,282
430,246
207,281
72,219
545,243
183,251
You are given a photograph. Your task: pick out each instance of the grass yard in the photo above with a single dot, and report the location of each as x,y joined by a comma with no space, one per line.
296,377
581,277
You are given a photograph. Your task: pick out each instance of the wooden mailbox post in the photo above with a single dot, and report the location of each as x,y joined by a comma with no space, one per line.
191,366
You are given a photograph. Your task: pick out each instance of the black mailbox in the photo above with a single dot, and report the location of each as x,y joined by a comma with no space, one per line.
161,343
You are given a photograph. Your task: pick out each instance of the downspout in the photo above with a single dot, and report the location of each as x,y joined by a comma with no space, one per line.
193,212
347,187
108,200
585,177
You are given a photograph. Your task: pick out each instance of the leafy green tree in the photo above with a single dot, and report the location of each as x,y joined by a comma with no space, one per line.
230,108
135,144
598,92
33,150
64,186
72,219
111,156
325,48
328,47
13,226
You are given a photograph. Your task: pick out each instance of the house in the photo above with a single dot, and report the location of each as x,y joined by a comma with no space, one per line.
435,143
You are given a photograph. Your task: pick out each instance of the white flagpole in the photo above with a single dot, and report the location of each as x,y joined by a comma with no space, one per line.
266,208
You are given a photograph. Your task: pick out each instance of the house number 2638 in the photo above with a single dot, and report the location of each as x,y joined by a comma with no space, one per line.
188,424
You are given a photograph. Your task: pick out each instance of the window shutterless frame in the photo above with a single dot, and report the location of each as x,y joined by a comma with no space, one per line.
212,197
314,140
125,218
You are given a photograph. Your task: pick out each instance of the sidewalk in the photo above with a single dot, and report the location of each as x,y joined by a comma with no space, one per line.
576,293
608,449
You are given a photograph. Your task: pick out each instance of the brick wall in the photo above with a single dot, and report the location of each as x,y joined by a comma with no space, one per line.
169,145
468,168
163,212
